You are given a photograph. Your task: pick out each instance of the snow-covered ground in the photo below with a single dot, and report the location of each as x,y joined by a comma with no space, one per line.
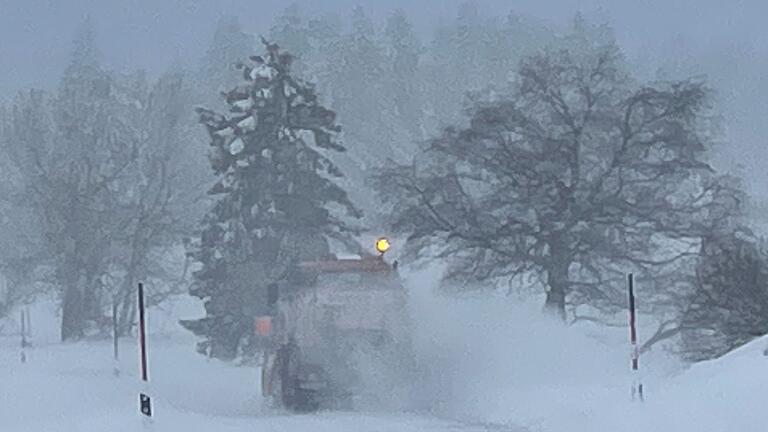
489,365
72,389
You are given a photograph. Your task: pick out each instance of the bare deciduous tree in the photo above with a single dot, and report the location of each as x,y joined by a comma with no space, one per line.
97,167
729,305
577,175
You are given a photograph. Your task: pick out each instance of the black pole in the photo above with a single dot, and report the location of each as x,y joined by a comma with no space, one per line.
632,321
637,386
145,403
142,335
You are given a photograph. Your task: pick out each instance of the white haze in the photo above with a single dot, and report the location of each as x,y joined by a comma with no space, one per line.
487,359
498,362
725,41
486,364
496,359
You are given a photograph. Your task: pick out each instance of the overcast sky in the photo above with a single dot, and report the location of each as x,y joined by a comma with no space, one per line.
726,40
35,34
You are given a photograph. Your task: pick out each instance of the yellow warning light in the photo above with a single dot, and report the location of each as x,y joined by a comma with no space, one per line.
382,245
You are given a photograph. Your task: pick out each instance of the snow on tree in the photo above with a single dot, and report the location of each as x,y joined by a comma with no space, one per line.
93,164
91,149
152,194
277,201
68,150
19,226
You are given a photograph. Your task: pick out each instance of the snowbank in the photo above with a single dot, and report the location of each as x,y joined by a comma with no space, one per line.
503,362
486,362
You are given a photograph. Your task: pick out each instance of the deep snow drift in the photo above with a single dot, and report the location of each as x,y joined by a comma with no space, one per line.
489,364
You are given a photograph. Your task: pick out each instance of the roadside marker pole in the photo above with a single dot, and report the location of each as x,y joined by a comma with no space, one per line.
23,337
115,344
145,402
29,328
637,385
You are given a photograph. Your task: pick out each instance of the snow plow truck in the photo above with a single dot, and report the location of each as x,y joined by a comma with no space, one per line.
338,336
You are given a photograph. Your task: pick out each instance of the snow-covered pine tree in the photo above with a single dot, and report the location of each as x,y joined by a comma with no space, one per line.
276,199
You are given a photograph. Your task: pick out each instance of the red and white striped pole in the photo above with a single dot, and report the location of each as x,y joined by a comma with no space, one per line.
637,385
145,402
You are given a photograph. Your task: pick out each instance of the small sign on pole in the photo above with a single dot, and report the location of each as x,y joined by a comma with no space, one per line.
145,402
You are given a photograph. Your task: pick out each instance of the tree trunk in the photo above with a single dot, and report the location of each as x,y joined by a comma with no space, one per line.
126,311
73,304
72,313
557,284
224,347
126,296
9,297
72,272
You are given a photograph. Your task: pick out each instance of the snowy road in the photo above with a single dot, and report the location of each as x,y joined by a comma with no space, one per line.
71,388
574,385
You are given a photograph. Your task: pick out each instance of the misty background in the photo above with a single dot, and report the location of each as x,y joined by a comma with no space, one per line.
135,147
725,41
108,167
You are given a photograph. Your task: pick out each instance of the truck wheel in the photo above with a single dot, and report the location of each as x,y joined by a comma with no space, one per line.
268,376
287,371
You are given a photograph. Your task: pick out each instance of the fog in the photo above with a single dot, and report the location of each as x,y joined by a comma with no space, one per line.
524,159
500,361
500,364
726,41
486,365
